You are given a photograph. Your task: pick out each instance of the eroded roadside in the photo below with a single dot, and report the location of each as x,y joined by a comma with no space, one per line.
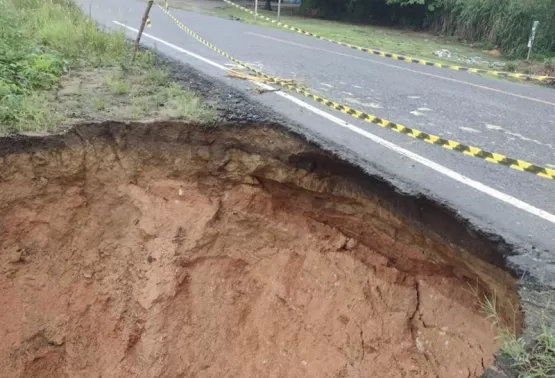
166,248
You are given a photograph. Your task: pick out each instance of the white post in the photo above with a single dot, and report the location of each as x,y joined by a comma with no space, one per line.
255,8
279,9
531,39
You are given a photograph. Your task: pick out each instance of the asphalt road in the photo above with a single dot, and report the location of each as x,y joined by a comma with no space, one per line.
516,119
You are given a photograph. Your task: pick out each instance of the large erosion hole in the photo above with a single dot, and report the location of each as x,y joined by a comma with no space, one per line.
169,250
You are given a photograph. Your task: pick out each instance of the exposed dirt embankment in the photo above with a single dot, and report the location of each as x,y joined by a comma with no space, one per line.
166,250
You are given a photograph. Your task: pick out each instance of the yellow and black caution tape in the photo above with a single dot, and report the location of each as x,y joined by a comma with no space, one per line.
268,78
408,59
491,157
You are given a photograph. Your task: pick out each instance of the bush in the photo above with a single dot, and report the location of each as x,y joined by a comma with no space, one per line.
504,24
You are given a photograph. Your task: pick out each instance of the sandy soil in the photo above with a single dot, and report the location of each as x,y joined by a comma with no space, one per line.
158,274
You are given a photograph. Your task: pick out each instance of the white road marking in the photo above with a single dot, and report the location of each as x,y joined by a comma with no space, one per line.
519,136
425,109
414,97
327,85
417,113
493,127
469,129
515,202
372,105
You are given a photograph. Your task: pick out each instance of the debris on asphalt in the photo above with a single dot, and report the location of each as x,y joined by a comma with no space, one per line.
264,90
259,79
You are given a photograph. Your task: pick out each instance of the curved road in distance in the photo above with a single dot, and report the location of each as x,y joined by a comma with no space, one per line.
515,119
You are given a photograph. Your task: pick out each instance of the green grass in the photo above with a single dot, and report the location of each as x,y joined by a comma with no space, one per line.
44,41
118,84
534,360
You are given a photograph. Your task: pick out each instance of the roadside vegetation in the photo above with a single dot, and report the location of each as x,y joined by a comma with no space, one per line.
535,359
57,67
502,24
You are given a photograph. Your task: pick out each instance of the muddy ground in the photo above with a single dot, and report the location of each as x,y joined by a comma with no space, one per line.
245,247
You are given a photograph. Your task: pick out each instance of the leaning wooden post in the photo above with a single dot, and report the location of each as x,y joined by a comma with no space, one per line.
142,28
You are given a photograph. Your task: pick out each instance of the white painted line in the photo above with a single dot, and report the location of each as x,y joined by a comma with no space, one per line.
469,129
519,136
391,146
416,113
208,61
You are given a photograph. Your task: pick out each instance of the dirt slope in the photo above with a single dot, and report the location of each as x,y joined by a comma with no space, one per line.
176,252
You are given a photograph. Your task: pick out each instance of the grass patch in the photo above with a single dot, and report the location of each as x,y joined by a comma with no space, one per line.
118,84
534,360
46,44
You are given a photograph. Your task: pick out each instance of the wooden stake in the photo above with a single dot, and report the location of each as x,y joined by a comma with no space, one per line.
141,29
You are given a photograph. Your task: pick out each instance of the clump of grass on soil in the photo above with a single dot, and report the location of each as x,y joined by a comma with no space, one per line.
57,67
527,360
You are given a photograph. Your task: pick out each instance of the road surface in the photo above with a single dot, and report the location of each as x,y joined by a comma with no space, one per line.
515,119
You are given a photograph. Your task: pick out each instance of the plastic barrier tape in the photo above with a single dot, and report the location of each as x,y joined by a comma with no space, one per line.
401,57
490,157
